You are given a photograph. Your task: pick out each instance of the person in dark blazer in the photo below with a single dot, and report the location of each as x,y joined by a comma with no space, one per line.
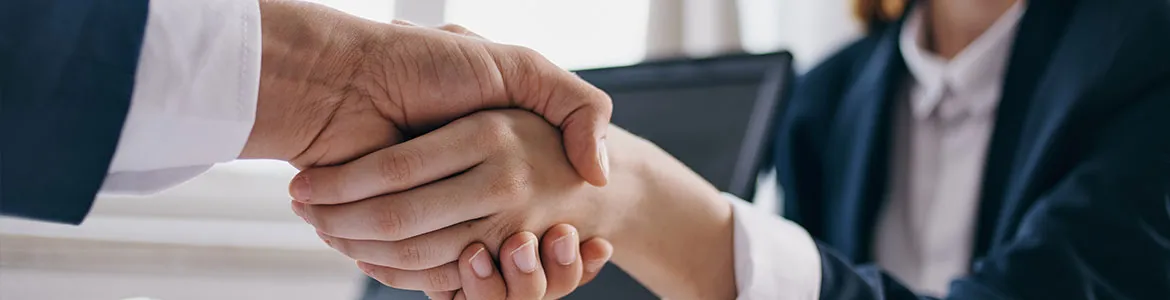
961,150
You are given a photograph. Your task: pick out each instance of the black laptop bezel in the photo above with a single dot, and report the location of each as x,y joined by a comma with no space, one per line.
772,71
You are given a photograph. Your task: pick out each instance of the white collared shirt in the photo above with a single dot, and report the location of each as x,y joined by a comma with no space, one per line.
924,235
195,93
943,125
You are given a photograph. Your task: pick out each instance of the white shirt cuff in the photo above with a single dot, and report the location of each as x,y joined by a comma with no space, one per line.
774,257
195,92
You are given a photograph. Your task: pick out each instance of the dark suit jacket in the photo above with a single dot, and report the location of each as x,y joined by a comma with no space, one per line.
1075,200
67,75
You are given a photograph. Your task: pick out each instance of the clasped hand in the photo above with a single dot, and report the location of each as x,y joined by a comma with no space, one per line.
407,212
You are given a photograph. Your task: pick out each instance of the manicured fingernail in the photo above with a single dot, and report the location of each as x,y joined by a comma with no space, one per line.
525,257
565,249
481,264
300,188
594,265
603,157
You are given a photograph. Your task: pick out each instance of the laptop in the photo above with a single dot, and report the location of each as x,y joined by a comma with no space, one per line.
713,114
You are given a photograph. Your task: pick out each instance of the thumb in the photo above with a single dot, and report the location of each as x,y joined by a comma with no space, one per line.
579,109
595,253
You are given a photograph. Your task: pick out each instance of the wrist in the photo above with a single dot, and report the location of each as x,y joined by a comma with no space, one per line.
678,230
304,65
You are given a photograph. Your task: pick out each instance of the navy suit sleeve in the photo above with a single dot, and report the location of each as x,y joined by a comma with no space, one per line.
68,74
1102,232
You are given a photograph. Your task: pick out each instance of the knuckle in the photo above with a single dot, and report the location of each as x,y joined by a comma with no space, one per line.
437,278
388,223
398,166
496,130
527,54
456,28
408,256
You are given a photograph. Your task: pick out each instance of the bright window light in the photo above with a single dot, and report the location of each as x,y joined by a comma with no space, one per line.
572,34
761,26
377,10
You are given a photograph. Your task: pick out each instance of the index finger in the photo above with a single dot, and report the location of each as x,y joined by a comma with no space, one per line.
430,157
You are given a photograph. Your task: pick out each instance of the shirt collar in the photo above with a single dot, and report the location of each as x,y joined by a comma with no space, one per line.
981,65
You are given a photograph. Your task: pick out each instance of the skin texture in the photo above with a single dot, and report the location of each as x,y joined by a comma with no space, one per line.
495,173
551,280
954,24
334,87
557,280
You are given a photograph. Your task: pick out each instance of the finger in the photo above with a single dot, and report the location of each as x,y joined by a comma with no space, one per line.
416,253
562,265
522,271
431,207
438,154
443,278
595,253
481,280
443,295
403,23
580,110
460,30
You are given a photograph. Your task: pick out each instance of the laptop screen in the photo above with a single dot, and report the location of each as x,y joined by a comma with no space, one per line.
703,112
701,126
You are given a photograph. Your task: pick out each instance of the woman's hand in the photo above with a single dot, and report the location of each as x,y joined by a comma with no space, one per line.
549,279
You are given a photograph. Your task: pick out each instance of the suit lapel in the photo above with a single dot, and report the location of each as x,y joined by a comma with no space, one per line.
1073,67
1036,37
859,146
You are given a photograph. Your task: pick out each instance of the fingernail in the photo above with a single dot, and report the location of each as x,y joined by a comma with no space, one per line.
594,265
603,157
525,257
300,188
299,210
481,264
365,269
565,249
324,239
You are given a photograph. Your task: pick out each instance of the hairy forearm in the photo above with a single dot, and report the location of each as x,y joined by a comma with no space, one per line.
309,52
677,240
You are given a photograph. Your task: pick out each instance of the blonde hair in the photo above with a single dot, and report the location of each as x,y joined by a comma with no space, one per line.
874,14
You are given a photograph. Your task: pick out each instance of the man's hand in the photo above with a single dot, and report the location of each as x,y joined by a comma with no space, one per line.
334,87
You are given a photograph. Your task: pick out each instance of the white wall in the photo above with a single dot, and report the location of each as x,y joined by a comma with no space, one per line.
48,269
228,234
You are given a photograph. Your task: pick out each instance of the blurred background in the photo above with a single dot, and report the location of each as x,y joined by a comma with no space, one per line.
229,234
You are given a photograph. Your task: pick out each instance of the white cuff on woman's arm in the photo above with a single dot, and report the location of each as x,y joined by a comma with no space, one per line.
195,92
774,257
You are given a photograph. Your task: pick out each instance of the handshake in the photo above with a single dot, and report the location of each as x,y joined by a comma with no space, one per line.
408,170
